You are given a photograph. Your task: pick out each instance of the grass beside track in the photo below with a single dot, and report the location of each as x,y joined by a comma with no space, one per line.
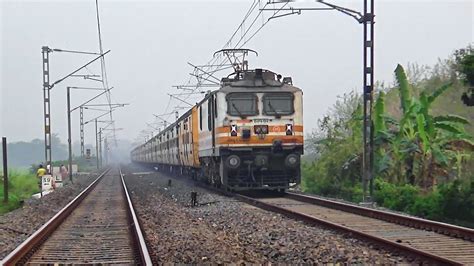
21,185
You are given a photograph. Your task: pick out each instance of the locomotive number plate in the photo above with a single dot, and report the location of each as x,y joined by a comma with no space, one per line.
261,121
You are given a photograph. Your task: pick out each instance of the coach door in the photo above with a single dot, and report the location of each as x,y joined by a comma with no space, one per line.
211,115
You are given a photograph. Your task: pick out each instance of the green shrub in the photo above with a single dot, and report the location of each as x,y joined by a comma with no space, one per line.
451,202
395,197
325,186
458,201
428,206
21,185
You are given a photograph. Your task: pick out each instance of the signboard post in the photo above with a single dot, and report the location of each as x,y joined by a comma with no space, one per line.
46,183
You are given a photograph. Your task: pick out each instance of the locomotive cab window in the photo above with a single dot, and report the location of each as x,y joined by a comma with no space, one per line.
278,104
241,104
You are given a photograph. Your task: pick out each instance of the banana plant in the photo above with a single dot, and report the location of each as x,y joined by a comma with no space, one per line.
418,142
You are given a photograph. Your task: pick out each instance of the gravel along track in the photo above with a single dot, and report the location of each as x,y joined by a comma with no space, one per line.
223,230
18,225
455,249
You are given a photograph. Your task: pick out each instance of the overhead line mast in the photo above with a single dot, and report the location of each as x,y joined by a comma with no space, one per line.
367,20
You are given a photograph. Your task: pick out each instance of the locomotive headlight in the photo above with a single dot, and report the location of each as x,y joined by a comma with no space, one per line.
260,129
292,160
233,161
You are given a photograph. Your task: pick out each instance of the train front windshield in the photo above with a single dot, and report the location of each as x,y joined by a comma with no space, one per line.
242,104
278,104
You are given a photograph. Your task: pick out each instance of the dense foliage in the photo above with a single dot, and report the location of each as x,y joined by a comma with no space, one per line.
450,202
424,155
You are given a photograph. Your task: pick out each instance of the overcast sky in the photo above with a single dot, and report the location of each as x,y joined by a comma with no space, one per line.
152,41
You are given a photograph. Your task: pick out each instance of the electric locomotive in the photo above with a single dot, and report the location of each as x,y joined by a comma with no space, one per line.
246,135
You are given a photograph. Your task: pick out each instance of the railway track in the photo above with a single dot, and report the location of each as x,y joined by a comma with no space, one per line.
424,240
99,226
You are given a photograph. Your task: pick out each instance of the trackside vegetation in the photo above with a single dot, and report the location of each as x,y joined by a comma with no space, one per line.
424,145
22,184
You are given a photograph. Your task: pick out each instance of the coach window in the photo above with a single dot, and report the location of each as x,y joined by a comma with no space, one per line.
278,104
241,104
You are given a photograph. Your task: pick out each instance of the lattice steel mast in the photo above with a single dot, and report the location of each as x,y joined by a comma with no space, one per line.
368,154
367,20
47,109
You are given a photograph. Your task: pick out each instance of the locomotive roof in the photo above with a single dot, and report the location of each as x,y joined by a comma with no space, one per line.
257,80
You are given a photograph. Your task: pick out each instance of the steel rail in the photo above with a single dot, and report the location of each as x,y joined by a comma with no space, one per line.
314,220
140,240
415,222
28,247
46,229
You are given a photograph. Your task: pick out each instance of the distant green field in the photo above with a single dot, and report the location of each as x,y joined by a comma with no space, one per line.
22,185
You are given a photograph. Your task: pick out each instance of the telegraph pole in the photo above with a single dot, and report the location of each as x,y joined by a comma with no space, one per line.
100,147
5,169
96,145
69,141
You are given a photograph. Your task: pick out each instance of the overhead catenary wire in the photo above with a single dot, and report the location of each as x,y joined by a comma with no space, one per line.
246,32
103,67
211,67
218,63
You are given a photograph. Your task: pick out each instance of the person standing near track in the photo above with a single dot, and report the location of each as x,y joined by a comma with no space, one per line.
64,172
40,173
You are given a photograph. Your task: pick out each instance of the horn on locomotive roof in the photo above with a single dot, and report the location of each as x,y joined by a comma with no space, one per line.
237,58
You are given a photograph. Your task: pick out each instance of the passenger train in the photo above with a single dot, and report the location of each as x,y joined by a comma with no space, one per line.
246,135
